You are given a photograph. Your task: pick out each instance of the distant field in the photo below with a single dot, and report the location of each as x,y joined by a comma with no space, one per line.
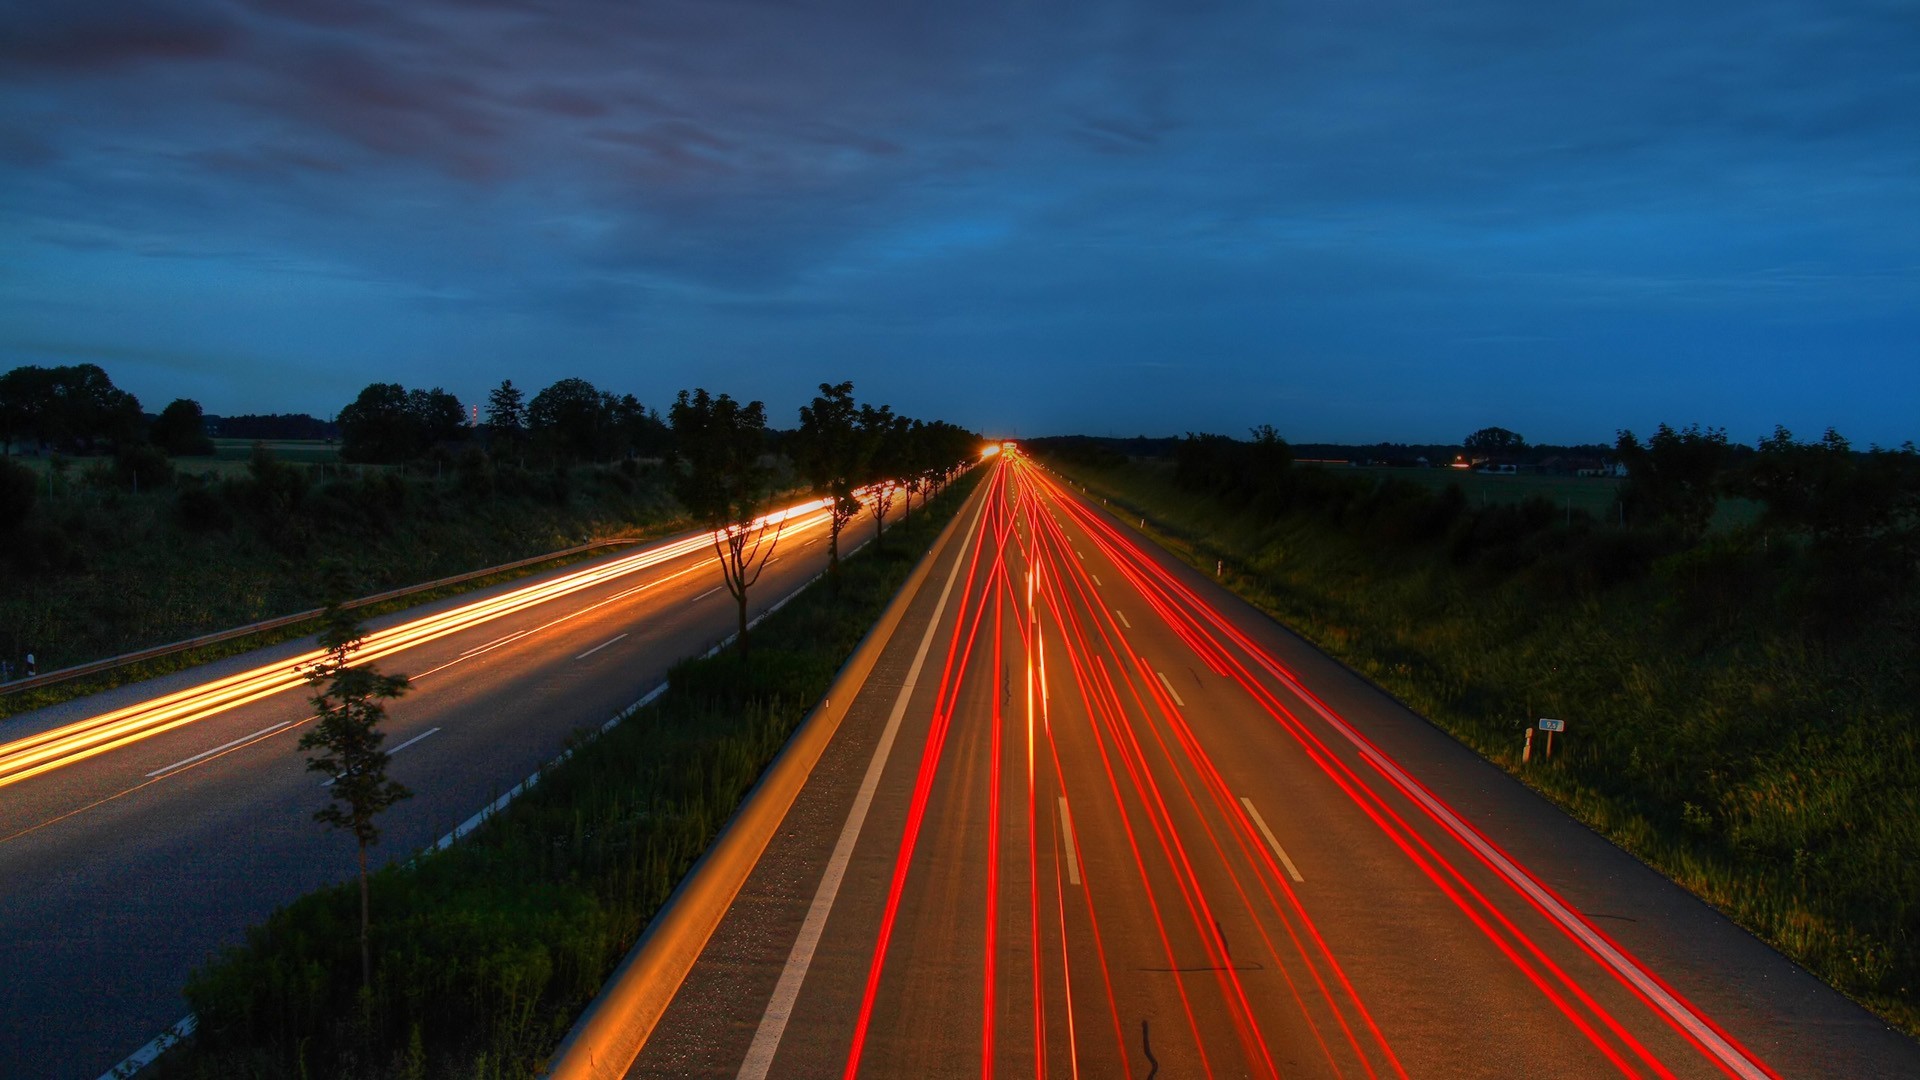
229,457
1596,495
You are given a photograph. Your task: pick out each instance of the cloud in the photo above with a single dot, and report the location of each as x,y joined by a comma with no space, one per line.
1246,190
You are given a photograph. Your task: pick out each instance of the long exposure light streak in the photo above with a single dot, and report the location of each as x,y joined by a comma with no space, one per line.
36,754
1197,622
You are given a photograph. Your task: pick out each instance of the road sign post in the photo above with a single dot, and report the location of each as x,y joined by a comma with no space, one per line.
1550,726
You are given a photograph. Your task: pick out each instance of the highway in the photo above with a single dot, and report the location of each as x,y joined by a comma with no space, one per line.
142,828
1093,816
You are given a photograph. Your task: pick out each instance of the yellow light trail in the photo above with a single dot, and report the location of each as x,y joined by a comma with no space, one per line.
36,754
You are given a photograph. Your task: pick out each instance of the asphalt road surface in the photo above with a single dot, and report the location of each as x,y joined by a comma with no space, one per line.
1114,822
131,849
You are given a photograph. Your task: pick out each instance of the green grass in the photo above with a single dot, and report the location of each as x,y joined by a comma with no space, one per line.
486,952
100,573
1774,773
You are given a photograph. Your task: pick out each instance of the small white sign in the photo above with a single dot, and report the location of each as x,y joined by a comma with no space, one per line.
1552,725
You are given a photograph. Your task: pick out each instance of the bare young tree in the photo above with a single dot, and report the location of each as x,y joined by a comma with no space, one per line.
724,485
347,738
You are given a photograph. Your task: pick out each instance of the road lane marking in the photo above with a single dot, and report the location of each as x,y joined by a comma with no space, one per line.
1272,841
396,749
598,647
1096,581
704,595
1123,618
495,642
773,1023
184,762
1073,858
1170,689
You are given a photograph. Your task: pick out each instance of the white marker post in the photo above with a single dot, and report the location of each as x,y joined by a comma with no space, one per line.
1526,752
1550,726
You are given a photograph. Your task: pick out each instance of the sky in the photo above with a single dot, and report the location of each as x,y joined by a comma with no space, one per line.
1357,220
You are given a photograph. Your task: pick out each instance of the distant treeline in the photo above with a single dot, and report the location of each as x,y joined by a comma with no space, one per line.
1850,518
272,427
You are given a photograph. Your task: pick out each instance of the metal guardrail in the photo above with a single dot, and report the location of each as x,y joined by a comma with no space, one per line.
264,625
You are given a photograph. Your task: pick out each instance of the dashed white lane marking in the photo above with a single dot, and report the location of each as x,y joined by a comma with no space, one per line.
1170,689
396,749
1292,870
1123,618
1066,835
1096,581
184,762
704,595
598,647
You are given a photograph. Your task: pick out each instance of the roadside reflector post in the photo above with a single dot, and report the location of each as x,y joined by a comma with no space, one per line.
1219,568
1526,752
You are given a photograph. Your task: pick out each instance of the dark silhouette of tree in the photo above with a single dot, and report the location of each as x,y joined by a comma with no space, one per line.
572,421
724,485
831,454
19,488
1676,477
74,408
506,418
437,418
1494,442
389,424
1860,510
181,430
346,739
881,430
378,426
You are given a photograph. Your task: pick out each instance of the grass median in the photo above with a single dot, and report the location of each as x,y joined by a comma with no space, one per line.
484,953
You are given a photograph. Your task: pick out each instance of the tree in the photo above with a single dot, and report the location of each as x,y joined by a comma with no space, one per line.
1494,442
831,454
506,418
572,421
347,737
18,490
1675,477
437,418
724,485
181,430
881,431
71,408
378,426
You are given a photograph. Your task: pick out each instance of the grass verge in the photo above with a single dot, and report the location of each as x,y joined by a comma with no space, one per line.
1773,773
485,952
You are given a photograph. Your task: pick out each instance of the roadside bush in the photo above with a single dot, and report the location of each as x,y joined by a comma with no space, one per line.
19,488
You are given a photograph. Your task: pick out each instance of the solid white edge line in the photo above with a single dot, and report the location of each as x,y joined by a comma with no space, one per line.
1272,841
600,646
160,1044
1626,967
184,762
1073,857
773,1023
1170,689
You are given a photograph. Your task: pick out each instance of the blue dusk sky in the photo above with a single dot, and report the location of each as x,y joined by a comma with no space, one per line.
1358,220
